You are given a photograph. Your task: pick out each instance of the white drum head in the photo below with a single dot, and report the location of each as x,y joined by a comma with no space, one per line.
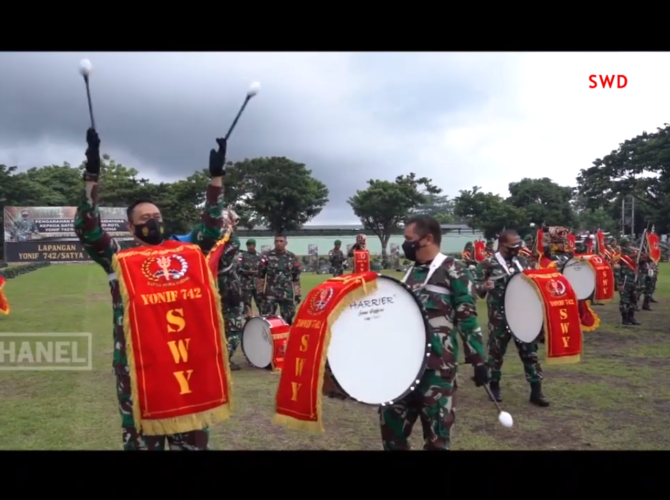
581,277
257,343
378,347
524,311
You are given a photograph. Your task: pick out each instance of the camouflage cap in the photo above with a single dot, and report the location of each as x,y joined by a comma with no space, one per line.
338,242
251,242
624,241
489,242
528,238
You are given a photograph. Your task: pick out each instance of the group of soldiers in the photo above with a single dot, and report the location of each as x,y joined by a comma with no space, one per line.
338,259
270,280
635,273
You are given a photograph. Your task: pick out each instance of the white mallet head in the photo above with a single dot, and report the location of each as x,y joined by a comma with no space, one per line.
254,89
532,224
85,67
505,419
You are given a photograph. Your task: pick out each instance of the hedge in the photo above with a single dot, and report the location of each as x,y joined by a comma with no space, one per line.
9,272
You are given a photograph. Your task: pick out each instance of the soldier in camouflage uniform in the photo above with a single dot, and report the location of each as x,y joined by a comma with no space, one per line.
337,259
23,228
506,262
468,254
101,247
249,263
625,276
451,305
650,283
230,288
279,284
489,248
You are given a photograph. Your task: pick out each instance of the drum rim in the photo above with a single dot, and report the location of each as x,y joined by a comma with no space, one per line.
244,353
422,370
507,324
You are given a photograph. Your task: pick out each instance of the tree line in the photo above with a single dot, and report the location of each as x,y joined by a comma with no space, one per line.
282,195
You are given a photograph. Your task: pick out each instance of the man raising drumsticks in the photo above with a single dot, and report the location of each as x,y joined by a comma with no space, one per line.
188,378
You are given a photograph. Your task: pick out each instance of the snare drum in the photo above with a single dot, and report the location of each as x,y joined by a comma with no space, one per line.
379,346
581,275
524,310
264,342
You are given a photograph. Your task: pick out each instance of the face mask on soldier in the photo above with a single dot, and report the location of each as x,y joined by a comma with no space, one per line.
410,248
151,232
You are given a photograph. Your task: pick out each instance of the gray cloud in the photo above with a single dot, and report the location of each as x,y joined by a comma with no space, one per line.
348,117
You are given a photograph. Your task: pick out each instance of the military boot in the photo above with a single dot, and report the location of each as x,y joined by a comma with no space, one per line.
624,319
536,396
645,304
653,300
631,318
494,386
234,367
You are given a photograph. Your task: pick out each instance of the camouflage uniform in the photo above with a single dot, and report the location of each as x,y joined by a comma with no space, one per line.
249,263
23,228
232,296
451,307
280,284
101,247
468,254
499,333
650,283
337,259
626,283
489,247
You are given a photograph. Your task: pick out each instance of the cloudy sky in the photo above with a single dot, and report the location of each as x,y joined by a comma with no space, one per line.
463,119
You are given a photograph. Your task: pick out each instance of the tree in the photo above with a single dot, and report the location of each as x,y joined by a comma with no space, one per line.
385,204
543,200
279,191
438,206
488,212
638,168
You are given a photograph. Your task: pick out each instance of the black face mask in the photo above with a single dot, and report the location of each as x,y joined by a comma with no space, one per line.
410,248
151,232
513,251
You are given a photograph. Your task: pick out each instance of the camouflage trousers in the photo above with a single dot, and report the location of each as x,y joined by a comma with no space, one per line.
286,308
137,441
233,317
337,271
433,403
649,286
499,339
628,299
249,294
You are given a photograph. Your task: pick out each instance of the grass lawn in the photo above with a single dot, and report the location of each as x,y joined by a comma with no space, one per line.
617,398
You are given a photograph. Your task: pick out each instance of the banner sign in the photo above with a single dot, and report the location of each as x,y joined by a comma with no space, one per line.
35,234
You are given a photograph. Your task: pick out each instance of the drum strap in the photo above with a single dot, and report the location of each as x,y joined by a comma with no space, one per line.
437,262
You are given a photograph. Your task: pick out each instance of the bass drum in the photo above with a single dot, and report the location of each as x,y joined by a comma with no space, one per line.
582,277
379,346
524,309
264,341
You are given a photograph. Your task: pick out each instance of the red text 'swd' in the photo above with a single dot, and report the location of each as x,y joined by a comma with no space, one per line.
607,81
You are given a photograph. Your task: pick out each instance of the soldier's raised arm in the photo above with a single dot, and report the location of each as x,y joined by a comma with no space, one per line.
98,244
210,228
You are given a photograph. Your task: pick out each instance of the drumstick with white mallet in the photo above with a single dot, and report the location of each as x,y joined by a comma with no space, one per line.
503,417
253,90
85,68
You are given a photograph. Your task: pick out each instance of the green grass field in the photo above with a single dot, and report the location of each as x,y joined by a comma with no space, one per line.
617,398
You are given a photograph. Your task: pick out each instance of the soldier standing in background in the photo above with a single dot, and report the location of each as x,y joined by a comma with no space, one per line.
279,283
506,262
24,228
249,263
337,259
230,288
489,248
625,272
468,254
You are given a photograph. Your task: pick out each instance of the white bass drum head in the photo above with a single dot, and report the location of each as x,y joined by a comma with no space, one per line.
524,311
257,344
581,277
378,346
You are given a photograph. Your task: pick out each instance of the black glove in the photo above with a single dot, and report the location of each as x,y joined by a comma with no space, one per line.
481,375
217,159
92,153
298,299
